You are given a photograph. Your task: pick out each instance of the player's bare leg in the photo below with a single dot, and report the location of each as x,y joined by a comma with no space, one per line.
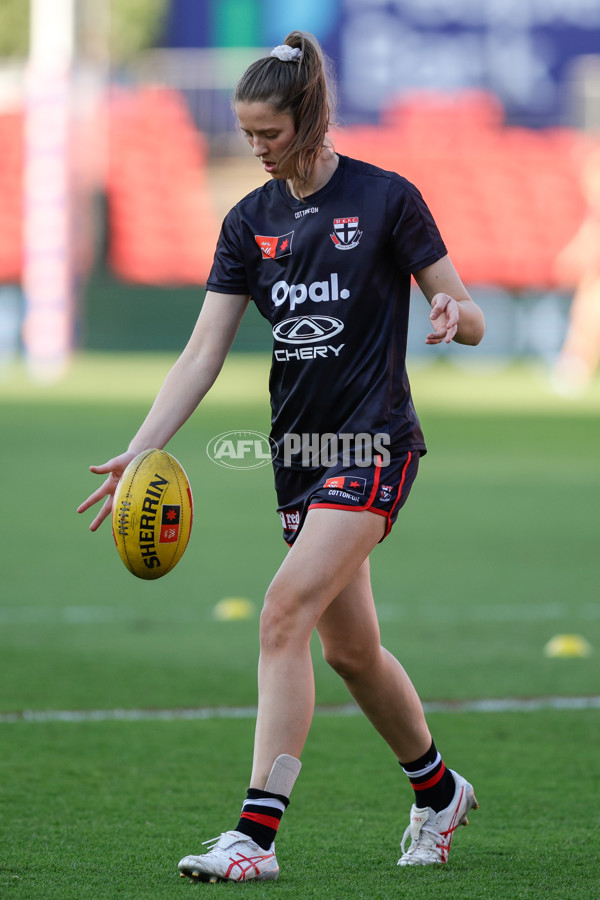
324,583
579,356
326,556
349,633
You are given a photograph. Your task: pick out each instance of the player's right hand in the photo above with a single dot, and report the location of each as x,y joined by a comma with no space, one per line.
114,468
444,317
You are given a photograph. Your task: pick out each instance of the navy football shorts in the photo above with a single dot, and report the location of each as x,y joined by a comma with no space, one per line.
380,489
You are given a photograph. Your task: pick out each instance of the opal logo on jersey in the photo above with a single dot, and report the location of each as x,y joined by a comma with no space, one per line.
318,292
345,233
307,329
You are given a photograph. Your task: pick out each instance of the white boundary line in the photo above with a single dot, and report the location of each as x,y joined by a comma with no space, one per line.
249,712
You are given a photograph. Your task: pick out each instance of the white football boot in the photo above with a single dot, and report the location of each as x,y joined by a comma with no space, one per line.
232,857
431,833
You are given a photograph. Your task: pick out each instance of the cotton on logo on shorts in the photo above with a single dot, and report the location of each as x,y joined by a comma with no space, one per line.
241,449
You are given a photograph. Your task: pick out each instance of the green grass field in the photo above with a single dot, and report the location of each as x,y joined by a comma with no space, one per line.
495,552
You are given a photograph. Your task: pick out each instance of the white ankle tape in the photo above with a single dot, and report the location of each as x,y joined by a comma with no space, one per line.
283,775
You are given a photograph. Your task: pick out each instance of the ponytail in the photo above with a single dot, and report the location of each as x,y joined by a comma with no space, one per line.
296,78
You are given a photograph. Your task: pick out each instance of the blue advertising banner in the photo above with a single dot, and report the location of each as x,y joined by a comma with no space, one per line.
521,50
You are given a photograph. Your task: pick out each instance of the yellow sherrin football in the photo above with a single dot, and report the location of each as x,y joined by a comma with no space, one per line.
152,514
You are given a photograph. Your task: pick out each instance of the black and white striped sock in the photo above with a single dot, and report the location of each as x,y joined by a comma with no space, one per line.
432,782
261,815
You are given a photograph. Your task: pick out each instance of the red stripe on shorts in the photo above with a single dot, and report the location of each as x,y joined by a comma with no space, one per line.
402,480
399,495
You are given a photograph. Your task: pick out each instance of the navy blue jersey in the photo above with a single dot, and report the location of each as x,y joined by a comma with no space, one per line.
331,274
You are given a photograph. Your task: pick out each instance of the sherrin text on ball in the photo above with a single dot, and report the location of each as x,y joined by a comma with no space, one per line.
152,514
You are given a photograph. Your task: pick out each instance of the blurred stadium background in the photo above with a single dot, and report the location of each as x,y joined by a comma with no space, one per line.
119,154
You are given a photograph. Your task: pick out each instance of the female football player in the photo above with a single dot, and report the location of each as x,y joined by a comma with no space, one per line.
325,249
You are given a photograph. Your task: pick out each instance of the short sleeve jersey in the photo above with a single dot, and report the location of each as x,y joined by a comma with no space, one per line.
331,274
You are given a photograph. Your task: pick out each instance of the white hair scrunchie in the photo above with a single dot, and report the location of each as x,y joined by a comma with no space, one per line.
286,54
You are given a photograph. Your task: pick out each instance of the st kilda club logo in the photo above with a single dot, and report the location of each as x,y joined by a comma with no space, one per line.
345,233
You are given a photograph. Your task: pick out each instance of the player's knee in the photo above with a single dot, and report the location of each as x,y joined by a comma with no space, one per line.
281,623
350,662
273,635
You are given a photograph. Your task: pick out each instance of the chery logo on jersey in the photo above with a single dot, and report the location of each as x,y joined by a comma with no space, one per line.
275,247
318,291
307,329
345,233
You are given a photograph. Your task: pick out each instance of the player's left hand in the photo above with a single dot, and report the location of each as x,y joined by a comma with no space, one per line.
114,468
444,316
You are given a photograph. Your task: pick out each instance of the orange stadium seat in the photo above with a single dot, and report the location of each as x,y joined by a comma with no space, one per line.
506,199
162,225
11,196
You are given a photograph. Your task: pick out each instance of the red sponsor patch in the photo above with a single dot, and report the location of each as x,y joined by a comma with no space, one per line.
169,523
290,520
274,247
168,534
